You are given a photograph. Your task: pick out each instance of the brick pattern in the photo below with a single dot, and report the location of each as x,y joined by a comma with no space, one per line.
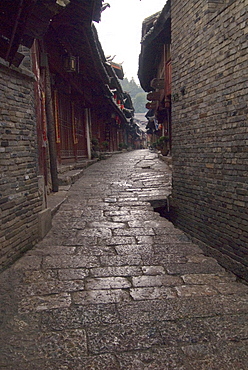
19,197
217,5
210,128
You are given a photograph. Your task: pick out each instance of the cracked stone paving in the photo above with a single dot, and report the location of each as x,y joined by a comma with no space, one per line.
114,285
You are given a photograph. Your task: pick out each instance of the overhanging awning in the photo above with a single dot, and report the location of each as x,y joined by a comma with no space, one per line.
152,46
22,21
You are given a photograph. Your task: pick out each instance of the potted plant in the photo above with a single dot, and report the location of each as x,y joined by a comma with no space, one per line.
122,146
95,148
105,146
163,145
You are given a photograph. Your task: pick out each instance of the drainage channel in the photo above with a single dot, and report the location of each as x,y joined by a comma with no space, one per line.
161,206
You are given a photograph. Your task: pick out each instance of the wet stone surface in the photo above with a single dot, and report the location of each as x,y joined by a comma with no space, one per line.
115,286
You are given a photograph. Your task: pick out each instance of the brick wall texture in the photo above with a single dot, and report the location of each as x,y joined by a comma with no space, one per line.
210,127
20,201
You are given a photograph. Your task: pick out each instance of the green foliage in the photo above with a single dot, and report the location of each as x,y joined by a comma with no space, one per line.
123,146
131,87
162,140
95,144
105,145
94,141
137,94
162,144
139,102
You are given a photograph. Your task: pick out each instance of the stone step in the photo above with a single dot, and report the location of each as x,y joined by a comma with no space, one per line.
70,177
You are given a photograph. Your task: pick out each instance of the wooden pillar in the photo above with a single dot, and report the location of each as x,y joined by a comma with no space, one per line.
51,131
88,126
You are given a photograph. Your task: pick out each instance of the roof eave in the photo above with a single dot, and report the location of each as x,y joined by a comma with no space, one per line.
151,45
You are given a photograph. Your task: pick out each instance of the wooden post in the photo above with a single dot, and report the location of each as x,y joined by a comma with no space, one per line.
88,125
51,131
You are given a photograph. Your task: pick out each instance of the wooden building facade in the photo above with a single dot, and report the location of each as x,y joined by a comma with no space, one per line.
60,94
155,72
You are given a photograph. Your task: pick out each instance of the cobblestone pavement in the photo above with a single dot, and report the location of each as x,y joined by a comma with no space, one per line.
115,286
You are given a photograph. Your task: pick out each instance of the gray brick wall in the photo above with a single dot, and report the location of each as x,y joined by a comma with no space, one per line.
210,127
20,201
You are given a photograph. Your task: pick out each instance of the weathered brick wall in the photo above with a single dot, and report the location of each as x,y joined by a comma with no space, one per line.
20,201
210,126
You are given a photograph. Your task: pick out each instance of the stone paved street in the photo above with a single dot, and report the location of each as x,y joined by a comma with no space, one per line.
116,286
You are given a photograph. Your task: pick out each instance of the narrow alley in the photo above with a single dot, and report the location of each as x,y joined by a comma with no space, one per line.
115,286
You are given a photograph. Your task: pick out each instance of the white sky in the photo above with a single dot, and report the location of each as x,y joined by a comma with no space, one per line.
119,30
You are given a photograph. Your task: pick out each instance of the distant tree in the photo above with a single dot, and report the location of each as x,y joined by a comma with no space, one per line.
139,102
131,87
137,94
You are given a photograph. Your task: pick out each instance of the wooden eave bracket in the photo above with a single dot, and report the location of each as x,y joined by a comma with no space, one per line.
157,83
